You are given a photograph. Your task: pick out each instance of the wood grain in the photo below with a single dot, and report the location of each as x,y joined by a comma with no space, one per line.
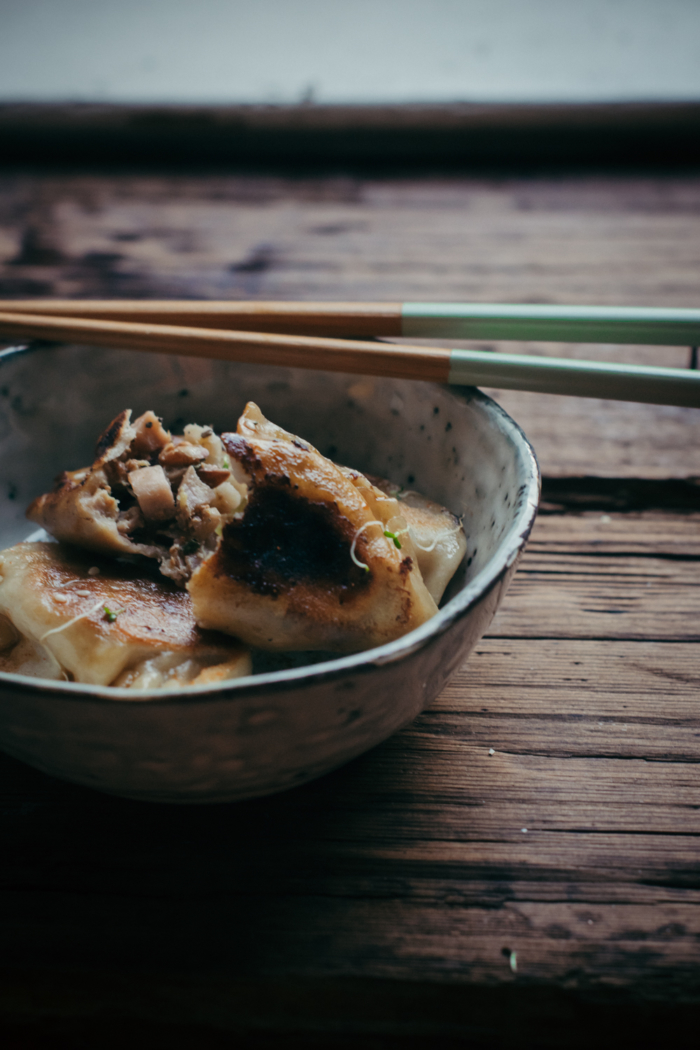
577,240
412,863
380,905
608,593
323,319
298,351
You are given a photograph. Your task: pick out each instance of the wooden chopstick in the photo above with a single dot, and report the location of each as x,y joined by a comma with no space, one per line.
297,351
295,318
500,321
666,386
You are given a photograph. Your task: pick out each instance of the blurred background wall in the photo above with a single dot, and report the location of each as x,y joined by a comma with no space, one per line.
349,51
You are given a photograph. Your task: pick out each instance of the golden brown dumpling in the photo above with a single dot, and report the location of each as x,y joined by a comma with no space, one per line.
437,534
307,564
66,615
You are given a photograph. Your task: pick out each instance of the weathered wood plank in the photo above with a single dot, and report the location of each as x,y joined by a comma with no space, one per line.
604,680
582,586
554,942
432,807
568,240
411,864
650,533
613,599
606,438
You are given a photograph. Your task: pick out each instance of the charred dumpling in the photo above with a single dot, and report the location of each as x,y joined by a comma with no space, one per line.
67,615
308,563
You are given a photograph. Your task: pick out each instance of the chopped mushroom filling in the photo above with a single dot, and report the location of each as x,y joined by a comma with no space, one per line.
148,492
153,493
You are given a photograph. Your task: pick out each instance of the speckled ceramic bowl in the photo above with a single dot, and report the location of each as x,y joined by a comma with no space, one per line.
268,732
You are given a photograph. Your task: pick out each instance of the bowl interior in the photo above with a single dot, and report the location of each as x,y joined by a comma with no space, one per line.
451,444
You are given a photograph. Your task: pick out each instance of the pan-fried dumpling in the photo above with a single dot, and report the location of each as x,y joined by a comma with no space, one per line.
313,560
147,493
82,508
437,534
65,615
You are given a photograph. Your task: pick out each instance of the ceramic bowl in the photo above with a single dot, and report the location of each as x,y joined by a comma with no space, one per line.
261,734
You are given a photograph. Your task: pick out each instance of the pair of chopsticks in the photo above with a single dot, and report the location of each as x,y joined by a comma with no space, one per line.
321,336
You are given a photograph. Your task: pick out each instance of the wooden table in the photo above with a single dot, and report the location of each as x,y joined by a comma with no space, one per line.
521,865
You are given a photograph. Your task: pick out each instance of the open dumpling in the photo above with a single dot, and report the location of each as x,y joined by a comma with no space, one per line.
147,493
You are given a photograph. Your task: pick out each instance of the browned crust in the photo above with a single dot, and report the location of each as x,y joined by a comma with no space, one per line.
108,439
284,576
148,611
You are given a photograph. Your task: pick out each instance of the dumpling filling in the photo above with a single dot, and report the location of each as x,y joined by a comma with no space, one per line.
147,493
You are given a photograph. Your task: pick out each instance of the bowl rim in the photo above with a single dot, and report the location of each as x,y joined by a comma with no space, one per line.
361,662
